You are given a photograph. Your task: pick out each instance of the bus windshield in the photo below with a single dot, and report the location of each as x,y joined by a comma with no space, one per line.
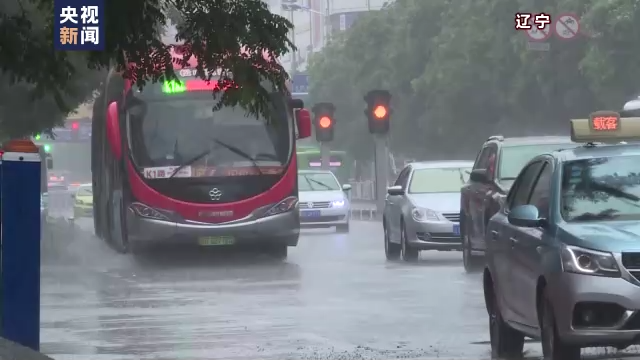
171,131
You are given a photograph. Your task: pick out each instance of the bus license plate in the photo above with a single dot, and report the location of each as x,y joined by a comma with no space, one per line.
216,240
312,213
456,229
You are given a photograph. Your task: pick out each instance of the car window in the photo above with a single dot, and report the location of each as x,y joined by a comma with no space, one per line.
438,180
606,188
524,183
85,191
320,181
483,159
513,158
403,177
542,191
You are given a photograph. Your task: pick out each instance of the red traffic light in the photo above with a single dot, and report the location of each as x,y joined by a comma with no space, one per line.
325,122
75,126
380,112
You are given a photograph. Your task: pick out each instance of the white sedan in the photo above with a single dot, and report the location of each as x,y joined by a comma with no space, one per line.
323,201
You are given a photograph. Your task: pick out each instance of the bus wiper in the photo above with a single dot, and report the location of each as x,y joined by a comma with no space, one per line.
191,161
241,153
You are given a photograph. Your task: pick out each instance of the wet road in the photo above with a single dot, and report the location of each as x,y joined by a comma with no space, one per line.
336,297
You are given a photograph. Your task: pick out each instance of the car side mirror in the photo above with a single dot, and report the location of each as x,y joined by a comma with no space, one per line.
525,216
479,175
395,190
303,122
113,130
346,187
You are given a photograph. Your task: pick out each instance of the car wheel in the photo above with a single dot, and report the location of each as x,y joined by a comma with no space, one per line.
506,343
472,263
342,229
278,251
553,348
391,250
407,252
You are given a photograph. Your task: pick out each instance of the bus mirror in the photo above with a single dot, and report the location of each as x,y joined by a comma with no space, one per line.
296,103
49,163
113,130
303,121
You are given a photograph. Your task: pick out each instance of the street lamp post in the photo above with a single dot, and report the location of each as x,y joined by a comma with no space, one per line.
291,6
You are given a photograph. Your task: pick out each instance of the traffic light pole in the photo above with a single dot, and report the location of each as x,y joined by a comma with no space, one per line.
382,172
325,155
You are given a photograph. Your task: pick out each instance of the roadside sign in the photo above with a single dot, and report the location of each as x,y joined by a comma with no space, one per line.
300,84
566,26
537,35
538,46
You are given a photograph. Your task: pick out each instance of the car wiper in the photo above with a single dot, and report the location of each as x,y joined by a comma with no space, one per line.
614,191
607,214
320,183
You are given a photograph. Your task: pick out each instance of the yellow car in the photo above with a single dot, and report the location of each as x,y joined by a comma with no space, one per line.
83,201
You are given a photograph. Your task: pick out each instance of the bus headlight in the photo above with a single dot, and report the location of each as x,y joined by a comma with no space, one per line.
144,211
283,206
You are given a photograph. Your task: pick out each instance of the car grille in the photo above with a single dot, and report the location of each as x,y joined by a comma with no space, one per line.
315,205
631,262
455,217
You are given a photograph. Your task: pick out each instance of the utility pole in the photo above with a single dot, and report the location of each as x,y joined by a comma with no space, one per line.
378,113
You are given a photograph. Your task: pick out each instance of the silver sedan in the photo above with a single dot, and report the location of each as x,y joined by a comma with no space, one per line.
422,209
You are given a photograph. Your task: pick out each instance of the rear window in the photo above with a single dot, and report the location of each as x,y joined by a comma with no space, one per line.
85,191
514,158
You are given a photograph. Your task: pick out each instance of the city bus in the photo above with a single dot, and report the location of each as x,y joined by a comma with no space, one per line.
167,168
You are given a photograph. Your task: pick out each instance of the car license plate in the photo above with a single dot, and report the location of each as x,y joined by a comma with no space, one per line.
456,229
216,240
312,213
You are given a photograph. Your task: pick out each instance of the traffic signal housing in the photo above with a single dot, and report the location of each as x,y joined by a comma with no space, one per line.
324,121
378,111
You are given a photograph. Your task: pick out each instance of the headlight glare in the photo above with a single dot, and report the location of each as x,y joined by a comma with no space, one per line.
337,203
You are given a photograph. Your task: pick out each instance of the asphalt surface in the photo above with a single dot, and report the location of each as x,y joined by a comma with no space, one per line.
336,297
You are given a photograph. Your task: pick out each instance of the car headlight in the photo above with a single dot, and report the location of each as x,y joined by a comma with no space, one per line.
283,206
589,262
337,203
422,214
147,212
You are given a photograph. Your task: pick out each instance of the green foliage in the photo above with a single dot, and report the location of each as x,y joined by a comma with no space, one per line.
459,72
214,30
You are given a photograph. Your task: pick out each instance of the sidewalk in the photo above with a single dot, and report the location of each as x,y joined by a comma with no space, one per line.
10,350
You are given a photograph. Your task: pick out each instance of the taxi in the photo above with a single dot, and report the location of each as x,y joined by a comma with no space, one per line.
563,252
83,201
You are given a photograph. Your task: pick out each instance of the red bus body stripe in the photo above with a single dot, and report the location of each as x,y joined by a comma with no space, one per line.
190,211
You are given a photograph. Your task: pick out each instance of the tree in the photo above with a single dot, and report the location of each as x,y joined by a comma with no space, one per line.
459,72
215,31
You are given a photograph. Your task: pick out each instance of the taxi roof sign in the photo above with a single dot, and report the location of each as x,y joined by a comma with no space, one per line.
605,127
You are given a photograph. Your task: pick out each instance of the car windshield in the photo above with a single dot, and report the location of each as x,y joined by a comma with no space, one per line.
514,158
601,189
169,130
438,180
317,182
85,191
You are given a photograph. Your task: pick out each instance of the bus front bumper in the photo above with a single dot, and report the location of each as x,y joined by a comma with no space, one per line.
280,228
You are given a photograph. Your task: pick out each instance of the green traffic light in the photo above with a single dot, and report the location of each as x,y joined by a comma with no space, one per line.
47,148
37,137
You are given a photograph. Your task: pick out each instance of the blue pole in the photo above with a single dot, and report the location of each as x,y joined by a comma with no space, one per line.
20,251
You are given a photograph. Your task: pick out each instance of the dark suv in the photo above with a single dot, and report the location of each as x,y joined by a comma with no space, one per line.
494,171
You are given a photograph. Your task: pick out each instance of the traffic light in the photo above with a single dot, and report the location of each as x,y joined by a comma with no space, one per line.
378,111
75,129
324,121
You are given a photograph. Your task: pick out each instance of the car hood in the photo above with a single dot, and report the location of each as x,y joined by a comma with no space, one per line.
613,236
85,199
440,202
324,195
